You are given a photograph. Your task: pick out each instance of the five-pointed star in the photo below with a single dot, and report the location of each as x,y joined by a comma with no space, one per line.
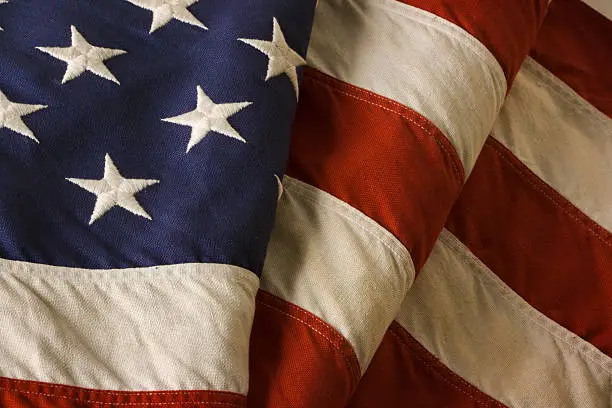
166,10
11,113
282,59
81,56
209,116
114,190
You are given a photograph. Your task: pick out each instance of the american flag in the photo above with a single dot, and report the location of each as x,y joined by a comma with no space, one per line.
429,226
143,143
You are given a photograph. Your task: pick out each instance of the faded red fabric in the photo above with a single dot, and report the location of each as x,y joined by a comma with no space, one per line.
33,394
298,360
575,44
495,24
380,157
502,204
404,374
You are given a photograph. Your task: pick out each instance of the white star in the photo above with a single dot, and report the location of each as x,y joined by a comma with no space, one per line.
166,10
282,59
81,56
11,113
209,116
114,190
3,2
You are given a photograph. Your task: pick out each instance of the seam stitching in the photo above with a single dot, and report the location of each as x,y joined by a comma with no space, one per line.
527,175
90,401
354,370
395,248
118,393
299,310
459,384
459,34
585,350
457,169
564,91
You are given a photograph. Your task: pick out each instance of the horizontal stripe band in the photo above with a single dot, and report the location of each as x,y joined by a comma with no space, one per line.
321,257
415,58
494,24
33,394
483,331
538,243
291,351
340,145
574,44
175,327
561,138
403,370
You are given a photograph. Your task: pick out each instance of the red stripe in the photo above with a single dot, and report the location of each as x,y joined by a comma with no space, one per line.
575,44
33,394
403,373
494,23
298,360
547,250
292,351
380,157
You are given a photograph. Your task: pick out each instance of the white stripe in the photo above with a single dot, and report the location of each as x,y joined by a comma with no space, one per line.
483,331
604,7
415,58
172,327
561,138
335,262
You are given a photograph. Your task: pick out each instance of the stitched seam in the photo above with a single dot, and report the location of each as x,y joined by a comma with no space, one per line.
461,35
89,401
565,92
299,310
457,168
378,235
159,272
585,350
305,323
449,29
555,201
459,384
118,393
354,370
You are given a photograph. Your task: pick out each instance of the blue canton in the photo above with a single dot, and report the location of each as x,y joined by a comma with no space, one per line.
145,132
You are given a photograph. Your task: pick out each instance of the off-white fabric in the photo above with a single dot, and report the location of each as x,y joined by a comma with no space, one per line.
603,6
561,138
335,262
415,58
160,328
484,332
